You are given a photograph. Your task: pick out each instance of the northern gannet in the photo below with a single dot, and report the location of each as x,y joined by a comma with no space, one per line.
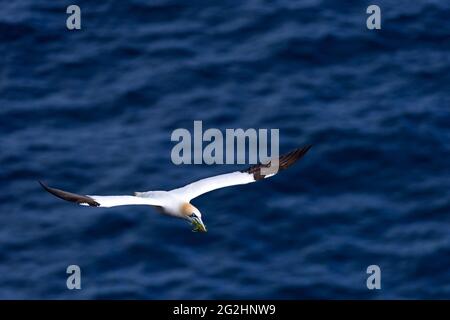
176,202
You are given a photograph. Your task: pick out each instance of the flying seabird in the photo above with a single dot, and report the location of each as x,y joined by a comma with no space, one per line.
176,202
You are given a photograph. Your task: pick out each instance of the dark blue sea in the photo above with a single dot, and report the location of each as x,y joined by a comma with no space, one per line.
92,111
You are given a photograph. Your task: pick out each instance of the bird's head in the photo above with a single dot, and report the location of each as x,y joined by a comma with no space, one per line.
193,215
196,220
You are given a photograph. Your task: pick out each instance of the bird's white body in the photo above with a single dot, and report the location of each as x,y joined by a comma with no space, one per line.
169,203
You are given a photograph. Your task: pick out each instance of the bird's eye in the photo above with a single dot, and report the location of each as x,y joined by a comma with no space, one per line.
193,216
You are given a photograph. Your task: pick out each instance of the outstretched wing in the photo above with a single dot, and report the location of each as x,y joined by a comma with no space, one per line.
100,201
252,174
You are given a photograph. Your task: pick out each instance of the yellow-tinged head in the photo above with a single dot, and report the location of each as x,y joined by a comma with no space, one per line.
193,215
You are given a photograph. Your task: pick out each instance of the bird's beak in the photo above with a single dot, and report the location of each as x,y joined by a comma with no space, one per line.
198,224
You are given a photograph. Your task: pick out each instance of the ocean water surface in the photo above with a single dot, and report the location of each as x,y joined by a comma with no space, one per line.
92,111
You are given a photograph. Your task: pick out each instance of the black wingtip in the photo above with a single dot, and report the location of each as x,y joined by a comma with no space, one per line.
43,185
306,148
284,161
68,196
46,187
